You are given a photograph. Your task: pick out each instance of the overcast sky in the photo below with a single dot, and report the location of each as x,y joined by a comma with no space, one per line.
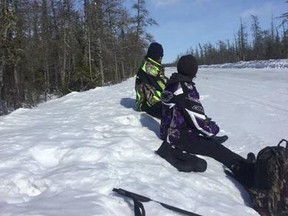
185,23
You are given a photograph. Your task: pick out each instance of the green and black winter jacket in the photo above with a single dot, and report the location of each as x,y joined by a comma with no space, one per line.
149,84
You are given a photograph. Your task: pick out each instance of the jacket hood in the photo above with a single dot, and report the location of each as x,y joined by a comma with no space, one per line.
176,77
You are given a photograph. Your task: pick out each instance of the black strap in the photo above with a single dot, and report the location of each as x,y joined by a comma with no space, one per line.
139,208
283,140
178,210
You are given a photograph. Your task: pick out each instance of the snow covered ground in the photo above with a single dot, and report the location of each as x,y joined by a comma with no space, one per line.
272,63
64,157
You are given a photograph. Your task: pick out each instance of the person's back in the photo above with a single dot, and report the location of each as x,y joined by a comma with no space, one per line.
184,126
187,114
150,82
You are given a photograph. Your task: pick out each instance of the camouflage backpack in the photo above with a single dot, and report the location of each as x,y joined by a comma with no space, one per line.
270,191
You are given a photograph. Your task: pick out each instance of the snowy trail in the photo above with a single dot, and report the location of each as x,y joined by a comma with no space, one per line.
252,90
259,97
65,156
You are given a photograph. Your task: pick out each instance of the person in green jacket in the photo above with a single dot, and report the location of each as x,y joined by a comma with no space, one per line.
150,82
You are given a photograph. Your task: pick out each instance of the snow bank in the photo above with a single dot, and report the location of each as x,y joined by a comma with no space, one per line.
272,63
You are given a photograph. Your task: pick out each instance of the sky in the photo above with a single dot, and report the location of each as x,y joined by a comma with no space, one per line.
64,157
183,24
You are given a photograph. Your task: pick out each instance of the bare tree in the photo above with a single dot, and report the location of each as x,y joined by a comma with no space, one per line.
142,18
258,43
242,42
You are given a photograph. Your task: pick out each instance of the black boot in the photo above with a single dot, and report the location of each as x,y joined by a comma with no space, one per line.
183,162
243,171
251,157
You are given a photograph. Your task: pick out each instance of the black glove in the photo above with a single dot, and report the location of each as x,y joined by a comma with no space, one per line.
220,139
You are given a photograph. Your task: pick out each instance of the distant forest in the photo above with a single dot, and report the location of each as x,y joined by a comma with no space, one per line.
52,47
261,45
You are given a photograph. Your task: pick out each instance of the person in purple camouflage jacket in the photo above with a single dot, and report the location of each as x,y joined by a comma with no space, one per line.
186,130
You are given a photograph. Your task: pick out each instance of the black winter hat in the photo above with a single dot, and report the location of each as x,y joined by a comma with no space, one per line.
188,66
155,51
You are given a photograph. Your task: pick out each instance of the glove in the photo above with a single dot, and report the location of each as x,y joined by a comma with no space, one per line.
220,139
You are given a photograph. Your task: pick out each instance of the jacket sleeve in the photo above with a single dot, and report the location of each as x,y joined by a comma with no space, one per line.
195,115
156,76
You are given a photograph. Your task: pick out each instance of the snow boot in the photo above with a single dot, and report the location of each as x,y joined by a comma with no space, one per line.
243,171
182,161
251,157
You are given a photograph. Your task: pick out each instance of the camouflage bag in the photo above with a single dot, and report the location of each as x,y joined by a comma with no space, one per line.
270,191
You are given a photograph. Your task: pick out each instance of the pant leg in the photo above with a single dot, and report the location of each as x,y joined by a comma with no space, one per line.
208,147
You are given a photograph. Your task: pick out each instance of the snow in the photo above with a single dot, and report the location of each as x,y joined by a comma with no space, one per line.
64,157
272,63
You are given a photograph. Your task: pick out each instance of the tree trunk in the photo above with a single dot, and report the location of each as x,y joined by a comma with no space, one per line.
100,57
117,79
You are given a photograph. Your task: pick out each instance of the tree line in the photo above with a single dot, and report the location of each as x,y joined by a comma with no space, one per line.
53,47
262,44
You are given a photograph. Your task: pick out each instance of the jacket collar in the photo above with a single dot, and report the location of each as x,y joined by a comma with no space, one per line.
176,77
153,61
